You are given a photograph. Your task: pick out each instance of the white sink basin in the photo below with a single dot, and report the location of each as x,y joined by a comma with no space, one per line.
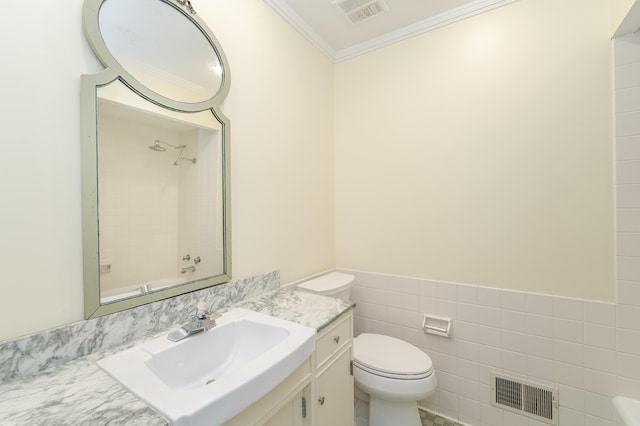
208,378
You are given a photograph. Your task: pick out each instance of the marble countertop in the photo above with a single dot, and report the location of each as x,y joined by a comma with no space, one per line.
303,308
79,392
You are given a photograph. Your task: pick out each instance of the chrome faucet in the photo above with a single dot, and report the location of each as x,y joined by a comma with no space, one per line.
202,321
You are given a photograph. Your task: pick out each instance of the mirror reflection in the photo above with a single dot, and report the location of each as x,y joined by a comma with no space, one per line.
159,195
155,155
161,48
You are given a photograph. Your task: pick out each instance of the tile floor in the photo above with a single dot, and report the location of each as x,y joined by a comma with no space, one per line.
428,419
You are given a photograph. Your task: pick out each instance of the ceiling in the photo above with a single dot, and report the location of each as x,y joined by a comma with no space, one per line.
380,22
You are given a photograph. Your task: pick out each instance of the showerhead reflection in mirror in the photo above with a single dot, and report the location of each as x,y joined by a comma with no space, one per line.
157,146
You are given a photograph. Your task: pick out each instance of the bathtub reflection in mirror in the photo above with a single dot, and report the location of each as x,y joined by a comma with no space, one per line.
159,195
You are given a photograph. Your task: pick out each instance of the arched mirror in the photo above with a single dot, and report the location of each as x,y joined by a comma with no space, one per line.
155,155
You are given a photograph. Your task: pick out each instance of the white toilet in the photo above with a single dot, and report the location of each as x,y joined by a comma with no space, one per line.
394,373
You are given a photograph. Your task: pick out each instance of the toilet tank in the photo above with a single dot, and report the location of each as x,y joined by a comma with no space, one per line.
333,284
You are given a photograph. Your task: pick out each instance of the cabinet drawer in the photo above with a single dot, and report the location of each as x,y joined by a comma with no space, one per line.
331,340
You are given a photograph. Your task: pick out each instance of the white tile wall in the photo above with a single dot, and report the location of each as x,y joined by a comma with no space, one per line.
623,321
567,343
138,198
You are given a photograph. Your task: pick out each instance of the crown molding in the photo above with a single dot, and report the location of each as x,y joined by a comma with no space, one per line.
458,14
283,9
438,21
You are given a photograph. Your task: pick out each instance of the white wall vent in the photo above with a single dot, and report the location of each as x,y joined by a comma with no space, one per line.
531,400
359,10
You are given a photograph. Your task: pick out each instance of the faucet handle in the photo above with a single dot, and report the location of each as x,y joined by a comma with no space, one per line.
202,309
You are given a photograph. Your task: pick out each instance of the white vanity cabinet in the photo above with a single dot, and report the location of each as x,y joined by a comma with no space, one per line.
284,405
318,393
332,403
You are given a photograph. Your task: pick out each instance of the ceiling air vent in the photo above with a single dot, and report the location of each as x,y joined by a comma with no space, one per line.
359,10
531,400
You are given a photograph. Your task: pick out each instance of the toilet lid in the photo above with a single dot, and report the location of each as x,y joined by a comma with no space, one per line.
386,354
331,283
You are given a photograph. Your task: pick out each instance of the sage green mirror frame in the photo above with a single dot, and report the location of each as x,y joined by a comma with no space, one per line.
89,151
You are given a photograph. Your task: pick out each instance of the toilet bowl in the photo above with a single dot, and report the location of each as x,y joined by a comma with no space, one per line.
393,373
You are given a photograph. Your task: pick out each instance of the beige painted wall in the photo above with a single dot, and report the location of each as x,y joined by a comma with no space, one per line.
477,153
481,152
281,111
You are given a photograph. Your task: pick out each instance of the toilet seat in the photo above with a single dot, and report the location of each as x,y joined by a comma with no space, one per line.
389,357
390,375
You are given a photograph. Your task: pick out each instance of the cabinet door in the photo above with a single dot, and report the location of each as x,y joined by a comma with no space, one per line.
334,386
284,417
293,413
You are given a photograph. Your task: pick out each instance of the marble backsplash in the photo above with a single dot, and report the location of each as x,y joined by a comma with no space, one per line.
29,355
